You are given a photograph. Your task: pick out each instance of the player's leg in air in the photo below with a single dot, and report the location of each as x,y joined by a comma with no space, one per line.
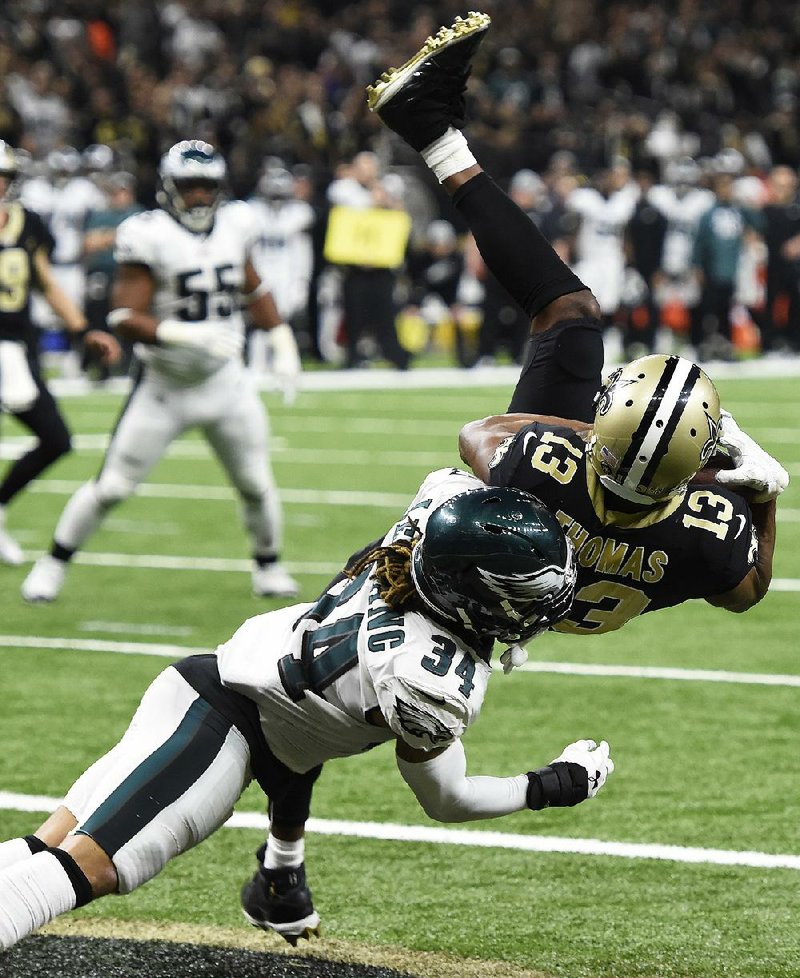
423,102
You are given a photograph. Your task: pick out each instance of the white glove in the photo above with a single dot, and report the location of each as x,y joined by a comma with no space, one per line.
224,342
286,363
754,468
593,758
513,657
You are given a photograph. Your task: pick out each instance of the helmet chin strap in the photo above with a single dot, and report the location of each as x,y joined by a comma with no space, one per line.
630,495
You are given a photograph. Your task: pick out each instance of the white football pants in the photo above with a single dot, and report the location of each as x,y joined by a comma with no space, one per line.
227,409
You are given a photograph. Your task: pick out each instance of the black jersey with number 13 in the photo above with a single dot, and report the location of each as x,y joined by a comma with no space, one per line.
697,545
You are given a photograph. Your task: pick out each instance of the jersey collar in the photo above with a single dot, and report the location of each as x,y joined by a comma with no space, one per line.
626,521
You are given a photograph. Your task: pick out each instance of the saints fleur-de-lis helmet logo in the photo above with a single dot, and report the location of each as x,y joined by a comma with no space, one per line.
605,395
711,442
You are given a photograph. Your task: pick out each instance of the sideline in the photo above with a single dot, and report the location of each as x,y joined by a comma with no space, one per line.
427,377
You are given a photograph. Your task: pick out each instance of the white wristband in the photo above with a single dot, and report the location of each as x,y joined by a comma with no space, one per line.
448,154
117,316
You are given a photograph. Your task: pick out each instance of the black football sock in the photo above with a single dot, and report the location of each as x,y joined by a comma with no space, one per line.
514,249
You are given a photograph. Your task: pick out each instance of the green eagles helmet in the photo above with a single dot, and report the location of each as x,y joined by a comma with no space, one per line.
656,424
191,161
496,562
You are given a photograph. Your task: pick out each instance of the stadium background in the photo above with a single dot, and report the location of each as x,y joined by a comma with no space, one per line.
700,706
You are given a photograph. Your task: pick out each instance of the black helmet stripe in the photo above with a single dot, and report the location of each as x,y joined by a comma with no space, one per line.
669,428
640,434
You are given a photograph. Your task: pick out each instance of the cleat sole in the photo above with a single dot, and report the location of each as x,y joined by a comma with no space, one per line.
393,79
306,929
306,935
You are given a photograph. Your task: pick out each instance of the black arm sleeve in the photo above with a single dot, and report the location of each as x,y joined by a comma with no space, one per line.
512,246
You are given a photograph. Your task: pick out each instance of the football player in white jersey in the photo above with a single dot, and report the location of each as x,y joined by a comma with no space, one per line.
63,197
604,212
683,203
183,271
399,650
284,254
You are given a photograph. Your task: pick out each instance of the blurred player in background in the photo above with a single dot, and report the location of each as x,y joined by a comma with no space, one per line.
25,244
283,255
100,232
182,272
63,196
682,202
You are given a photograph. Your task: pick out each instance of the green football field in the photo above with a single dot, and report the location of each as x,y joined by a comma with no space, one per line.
687,864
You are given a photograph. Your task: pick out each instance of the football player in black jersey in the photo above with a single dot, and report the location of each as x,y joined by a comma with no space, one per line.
614,463
25,244
619,464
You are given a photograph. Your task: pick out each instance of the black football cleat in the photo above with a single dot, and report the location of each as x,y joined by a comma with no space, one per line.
421,100
279,900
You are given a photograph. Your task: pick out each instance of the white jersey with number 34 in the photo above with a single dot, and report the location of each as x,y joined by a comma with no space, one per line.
316,670
198,278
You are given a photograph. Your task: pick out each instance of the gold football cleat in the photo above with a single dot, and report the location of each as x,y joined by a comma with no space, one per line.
390,81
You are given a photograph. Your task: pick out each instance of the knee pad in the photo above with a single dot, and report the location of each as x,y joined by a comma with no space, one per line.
579,351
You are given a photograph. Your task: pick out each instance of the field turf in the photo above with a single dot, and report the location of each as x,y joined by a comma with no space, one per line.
710,765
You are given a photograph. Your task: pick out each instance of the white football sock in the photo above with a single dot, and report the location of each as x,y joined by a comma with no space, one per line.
32,893
262,520
281,854
448,154
81,517
14,851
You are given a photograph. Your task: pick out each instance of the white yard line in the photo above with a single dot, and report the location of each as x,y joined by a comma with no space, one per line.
170,651
10,801
212,564
133,628
661,672
440,378
159,649
91,558
306,497
280,448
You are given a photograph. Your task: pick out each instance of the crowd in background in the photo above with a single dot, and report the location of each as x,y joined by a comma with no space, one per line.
656,145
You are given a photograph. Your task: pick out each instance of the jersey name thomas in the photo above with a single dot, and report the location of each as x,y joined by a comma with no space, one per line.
697,545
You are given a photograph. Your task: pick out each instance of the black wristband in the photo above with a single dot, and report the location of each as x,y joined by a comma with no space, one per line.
559,785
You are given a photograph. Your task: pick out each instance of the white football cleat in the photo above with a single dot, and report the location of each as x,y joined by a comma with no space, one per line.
45,580
274,581
10,551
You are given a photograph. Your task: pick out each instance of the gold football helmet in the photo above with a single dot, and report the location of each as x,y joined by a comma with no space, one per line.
656,424
9,168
